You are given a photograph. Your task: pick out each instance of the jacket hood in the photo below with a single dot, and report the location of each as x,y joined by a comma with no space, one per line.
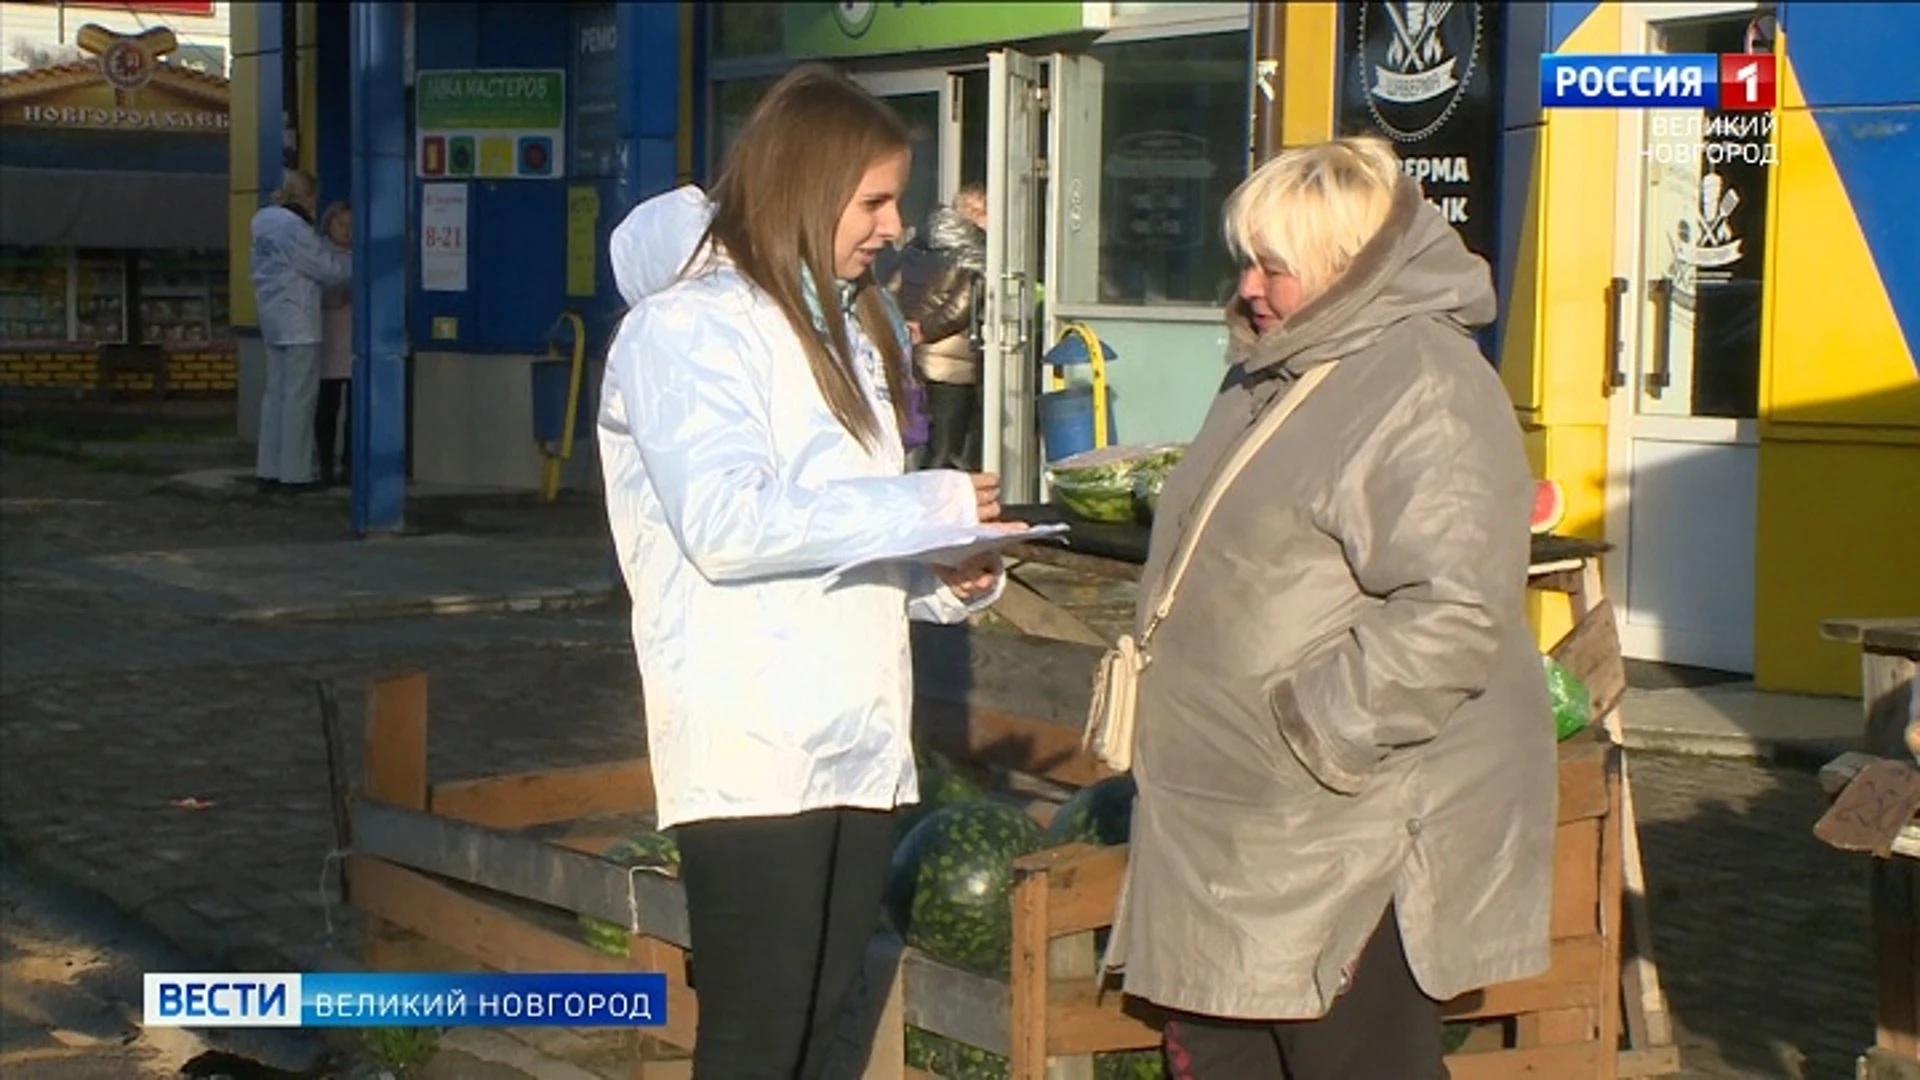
655,240
949,231
1416,265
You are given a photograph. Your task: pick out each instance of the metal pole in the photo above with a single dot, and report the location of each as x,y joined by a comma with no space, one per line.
1269,45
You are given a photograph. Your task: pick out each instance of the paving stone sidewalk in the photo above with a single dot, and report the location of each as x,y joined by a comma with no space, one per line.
1758,927
353,579
116,708
197,798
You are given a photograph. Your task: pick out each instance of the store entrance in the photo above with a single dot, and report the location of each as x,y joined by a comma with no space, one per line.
1683,431
986,125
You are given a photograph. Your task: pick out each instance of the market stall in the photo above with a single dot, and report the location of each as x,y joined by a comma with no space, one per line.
1876,812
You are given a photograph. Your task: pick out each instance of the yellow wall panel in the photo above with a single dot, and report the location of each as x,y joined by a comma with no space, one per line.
1839,525
1307,72
243,171
307,68
241,206
243,134
243,29
1577,240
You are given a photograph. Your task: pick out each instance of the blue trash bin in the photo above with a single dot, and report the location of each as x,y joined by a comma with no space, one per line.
551,379
1066,421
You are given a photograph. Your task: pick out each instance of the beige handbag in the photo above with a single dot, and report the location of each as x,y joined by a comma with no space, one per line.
1116,681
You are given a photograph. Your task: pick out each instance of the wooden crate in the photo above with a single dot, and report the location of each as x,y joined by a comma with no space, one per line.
493,872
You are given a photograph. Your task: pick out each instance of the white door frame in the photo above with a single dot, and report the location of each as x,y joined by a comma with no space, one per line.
1624,422
1007,379
944,81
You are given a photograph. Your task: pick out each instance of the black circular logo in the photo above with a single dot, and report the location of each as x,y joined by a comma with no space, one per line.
1415,63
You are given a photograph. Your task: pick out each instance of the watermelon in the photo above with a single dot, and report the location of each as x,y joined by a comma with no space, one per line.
951,1060
1100,814
1572,703
652,850
1549,506
1098,485
941,786
950,887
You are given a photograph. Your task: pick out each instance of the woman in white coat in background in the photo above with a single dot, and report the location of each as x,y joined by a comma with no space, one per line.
750,440
292,265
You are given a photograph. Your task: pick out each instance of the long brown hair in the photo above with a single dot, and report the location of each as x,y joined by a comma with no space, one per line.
788,177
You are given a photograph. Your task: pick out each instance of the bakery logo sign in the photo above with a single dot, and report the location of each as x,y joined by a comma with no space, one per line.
1417,60
1708,242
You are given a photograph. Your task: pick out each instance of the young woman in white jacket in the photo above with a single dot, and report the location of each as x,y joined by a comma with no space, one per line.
750,439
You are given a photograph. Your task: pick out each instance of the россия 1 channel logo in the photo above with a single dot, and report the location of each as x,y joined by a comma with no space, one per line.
1726,82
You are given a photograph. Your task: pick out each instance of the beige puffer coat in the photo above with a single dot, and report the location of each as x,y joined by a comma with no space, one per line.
1346,706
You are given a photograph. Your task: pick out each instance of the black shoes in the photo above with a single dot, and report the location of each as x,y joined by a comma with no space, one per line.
279,487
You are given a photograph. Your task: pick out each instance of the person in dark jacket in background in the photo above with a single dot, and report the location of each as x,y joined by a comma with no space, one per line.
938,282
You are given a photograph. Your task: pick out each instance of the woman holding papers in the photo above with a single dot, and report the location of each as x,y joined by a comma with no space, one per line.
1344,749
749,431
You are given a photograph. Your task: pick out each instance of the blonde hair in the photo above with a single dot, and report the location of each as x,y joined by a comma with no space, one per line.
1309,210
296,186
334,210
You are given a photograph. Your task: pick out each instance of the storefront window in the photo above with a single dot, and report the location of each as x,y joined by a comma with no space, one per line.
100,294
33,295
183,297
733,103
747,29
1173,146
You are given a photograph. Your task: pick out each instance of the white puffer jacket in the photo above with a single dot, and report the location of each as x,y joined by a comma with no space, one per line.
731,491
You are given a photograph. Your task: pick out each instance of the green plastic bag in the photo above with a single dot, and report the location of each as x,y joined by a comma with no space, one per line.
1572,704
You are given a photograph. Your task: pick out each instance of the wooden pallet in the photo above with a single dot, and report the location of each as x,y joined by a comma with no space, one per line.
492,873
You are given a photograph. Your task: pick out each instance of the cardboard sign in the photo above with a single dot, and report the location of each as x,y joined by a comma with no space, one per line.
1870,814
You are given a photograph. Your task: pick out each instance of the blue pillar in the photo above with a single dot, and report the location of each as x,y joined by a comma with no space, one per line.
649,114
379,171
270,92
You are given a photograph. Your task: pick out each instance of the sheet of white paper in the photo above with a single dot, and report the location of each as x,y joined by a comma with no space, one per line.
950,547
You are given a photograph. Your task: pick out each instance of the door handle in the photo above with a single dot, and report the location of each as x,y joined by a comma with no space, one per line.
1616,373
1017,314
1660,374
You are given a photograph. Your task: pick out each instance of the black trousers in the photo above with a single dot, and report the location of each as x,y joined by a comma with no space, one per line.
1382,1028
327,411
780,911
953,419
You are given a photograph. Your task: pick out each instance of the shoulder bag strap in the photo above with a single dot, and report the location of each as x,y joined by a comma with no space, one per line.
1255,439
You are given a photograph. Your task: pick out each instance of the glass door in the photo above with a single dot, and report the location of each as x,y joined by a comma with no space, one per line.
929,102
1008,371
1683,432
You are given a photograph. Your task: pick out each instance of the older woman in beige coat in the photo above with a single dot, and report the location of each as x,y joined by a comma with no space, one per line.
1345,752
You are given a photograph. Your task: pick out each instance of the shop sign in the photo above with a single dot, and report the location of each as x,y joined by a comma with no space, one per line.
490,124
595,135
899,26
443,238
126,85
1421,75
106,118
